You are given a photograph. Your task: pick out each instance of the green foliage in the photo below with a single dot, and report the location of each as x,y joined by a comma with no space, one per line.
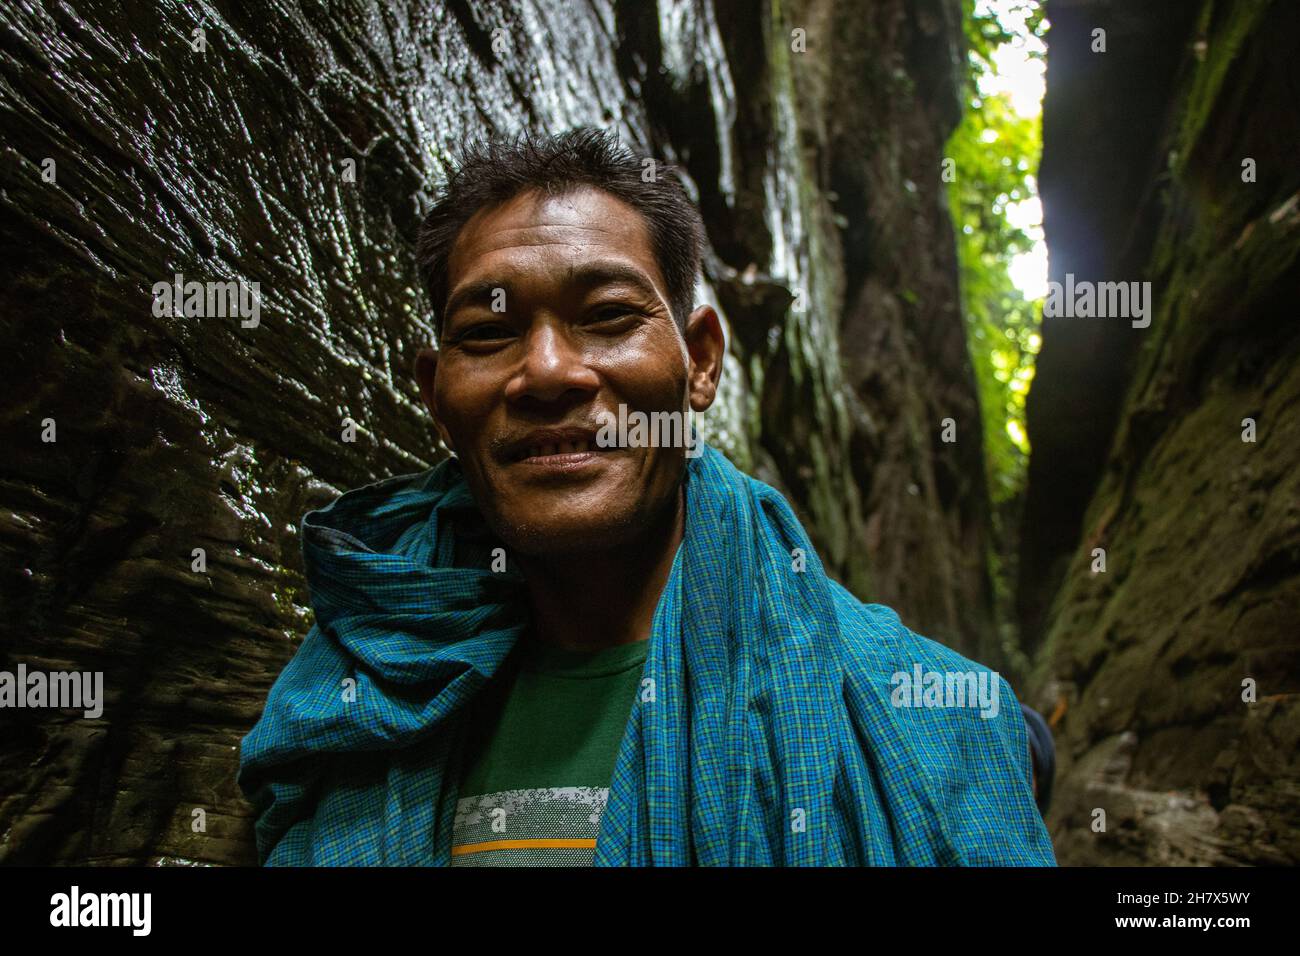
996,151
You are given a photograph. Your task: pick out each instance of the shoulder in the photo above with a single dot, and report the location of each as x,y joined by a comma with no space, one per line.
875,639
953,727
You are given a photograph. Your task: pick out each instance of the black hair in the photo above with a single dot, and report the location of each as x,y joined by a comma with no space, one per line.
490,172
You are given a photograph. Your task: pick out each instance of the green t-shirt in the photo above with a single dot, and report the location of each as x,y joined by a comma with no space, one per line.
540,754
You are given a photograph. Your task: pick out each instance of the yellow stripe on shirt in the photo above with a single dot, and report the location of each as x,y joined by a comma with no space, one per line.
466,848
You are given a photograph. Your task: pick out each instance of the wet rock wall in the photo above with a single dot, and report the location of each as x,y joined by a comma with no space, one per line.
1171,676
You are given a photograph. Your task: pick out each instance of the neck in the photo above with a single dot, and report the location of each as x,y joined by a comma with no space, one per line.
599,599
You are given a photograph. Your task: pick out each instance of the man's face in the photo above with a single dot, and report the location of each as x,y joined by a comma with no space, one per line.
581,325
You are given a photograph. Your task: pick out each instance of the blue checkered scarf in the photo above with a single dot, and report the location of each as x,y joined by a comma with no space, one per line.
765,730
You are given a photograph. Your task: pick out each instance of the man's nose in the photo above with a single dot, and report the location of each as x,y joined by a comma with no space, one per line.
553,366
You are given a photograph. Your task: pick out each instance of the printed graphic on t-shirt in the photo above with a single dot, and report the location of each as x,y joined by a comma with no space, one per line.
550,826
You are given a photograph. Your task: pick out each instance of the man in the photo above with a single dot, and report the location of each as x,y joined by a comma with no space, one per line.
559,649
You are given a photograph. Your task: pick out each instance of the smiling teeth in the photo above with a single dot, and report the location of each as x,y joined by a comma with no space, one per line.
559,448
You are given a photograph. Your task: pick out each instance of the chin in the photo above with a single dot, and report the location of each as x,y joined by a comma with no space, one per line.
567,530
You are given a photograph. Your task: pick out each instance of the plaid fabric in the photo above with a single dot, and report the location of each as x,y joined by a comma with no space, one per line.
765,731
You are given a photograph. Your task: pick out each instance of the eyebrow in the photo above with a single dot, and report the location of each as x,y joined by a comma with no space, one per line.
589,275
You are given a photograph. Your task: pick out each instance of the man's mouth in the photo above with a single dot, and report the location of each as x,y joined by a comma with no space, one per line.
554,446
555,449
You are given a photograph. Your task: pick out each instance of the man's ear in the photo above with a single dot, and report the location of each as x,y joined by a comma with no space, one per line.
705,344
426,369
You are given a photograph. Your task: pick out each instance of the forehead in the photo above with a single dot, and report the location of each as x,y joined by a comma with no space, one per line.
533,231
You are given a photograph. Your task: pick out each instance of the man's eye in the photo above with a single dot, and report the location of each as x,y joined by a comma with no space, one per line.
484,332
612,313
